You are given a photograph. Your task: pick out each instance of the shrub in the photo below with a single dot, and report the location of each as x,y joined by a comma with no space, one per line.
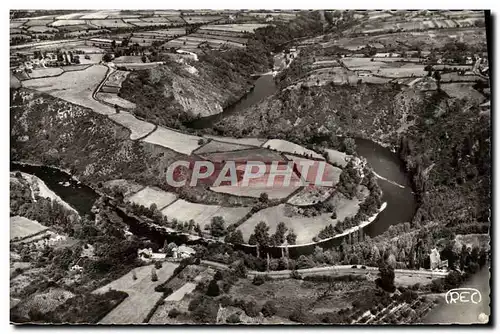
233,319
269,309
260,279
295,275
251,309
158,265
174,313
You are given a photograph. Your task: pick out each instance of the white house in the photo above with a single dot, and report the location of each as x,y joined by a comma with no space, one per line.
183,252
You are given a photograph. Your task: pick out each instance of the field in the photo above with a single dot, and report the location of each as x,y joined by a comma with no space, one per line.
76,87
142,297
289,147
149,195
243,156
255,190
240,28
118,23
337,158
61,23
21,227
218,146
328,174
177,141
45,72
116,78
137,127
306,228
115,99
241,141
463,90
310,195
202,214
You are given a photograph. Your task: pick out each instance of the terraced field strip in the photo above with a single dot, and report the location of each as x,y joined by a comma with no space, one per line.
202,214
138,128
21,227
142,296
150,195
174,140
289,147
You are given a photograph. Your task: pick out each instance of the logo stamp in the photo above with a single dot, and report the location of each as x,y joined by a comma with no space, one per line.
463,295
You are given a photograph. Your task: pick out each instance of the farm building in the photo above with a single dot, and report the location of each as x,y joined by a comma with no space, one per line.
183,252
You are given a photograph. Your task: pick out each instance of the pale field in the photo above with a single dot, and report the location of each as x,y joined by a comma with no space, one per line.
202,214
179,294
243,156
336,157
403,71
75,87
192,19
310,195
243,141
217,146
177,141
115,23
42,29
137,127
289,147
155,20
71,16
363,63
76,67
115,99
16,24
250,27
254,190
117,77
45,72
149,24
14,82
21,227
328,174
61,23
41,22
127,187
463,90
96,15
124,59
149,195
142,297
306,228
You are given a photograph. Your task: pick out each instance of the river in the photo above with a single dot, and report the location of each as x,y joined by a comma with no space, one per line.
395,183
264,86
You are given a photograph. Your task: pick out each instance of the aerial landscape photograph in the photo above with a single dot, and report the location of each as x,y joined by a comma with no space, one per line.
250,167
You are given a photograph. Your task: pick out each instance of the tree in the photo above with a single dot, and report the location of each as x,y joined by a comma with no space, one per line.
291,238
437,76
154,276
279,236
107,57
235,238
386,277
144,59
261,233
213,289
217,226
264,197
134,275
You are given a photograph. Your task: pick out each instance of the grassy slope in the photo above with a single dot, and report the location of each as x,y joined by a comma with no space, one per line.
54,132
